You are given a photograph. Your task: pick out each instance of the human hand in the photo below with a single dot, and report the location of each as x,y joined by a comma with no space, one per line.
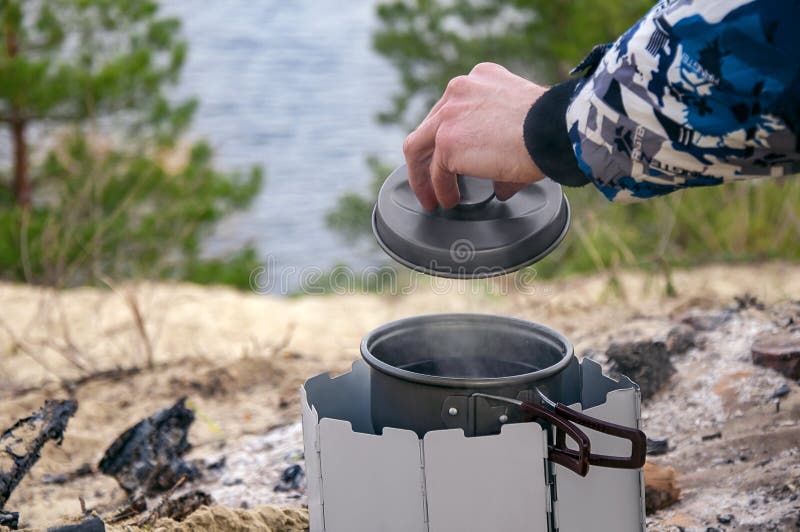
474,129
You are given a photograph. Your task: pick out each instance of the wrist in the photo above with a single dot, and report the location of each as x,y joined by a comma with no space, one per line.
546,139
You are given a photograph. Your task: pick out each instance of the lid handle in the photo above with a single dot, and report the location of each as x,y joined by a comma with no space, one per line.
475,192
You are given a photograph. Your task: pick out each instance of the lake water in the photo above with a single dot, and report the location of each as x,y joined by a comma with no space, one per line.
294,86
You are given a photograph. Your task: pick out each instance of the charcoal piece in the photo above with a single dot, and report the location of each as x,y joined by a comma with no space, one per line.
216,464
781,391
680,339
646,363
657,447
291,478
147,458
21,444
725,519
93,524
181,507
746,301
9,519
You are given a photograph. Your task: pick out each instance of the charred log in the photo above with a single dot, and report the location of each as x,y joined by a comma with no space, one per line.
147,458
21,444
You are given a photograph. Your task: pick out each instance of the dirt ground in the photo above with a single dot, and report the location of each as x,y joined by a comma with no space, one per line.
127,352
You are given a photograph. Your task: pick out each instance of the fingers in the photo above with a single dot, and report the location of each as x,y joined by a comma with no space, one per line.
443,174
505,190
429,175
446,142
418,150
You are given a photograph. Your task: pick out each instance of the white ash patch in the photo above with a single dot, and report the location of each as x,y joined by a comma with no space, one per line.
743,471
252,468
690,406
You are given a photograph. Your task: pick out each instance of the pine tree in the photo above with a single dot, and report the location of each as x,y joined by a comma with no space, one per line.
75,60
94,188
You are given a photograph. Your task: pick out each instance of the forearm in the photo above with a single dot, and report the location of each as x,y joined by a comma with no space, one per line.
692,95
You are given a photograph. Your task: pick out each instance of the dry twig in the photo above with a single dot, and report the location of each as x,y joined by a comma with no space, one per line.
138,319
152,516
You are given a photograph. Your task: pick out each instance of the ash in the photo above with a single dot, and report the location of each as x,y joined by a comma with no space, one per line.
245,474
735,449
745,473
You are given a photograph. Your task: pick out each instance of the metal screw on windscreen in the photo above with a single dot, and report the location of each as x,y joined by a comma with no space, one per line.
462,250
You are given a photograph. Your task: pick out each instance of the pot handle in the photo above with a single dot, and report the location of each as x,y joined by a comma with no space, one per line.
565,420
577,461
635,436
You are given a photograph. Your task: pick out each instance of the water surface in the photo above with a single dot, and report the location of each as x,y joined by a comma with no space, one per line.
293,86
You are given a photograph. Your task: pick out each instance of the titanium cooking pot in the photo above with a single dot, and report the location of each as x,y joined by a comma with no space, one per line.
477,372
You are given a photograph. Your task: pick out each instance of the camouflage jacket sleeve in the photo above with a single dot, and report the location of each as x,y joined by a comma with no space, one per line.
696,93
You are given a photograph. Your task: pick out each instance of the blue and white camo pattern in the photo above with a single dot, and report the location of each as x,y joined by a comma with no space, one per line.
696,93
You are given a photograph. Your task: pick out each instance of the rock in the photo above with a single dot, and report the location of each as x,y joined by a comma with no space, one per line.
23,442
779,351
645,362
657,447
713,436
93,524
291,478
725,519
147,458
660,487
680,339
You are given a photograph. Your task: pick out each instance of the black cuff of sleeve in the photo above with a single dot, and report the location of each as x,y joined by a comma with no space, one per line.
546,138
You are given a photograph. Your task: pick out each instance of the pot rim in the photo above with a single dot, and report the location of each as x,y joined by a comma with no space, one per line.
545,333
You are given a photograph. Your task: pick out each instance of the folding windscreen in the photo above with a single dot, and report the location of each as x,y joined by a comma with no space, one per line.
394,482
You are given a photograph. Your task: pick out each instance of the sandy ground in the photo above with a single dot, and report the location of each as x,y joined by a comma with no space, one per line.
240,358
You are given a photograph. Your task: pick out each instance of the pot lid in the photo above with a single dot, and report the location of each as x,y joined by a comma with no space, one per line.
481,237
